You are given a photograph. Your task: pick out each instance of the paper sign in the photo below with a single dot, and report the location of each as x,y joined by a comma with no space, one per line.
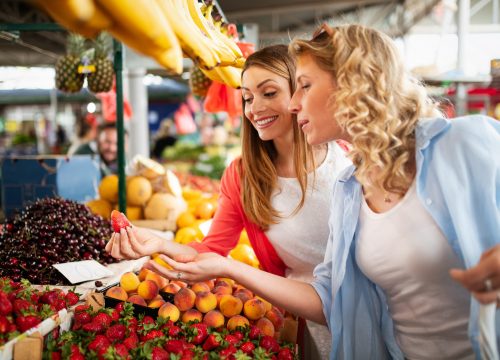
80,271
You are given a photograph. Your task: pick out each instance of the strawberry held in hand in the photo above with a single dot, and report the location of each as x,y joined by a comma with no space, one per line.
119,221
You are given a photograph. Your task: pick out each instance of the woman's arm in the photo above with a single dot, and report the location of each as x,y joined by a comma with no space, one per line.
297,297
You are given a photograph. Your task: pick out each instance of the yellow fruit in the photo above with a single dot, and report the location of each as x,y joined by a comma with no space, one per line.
196,226
205,210
148,168
164,206
139,191
191,194
245,254
100,207
244,238
134,212
158,260
185,219
108,188
186,235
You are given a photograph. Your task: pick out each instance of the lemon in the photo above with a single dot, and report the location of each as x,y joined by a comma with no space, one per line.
245,254
185,219
186,235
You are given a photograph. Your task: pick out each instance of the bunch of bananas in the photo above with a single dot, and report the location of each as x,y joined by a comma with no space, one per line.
162,29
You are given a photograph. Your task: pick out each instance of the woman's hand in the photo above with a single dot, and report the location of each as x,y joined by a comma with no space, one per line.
192,268
134,243
482,280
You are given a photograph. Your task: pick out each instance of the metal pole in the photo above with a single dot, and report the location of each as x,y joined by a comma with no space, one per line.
118,65
462,31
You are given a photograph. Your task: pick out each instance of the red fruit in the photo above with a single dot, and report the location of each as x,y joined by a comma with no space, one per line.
285,354
93,327
247,347
49,297
81,308
119,221
76,353
174,346
238,334
131,341
187,354
201,334
27,322
211,342
132,325
20,305
231,339
56,356
254,333
83,318
119,307
121,350
115,315
99,342
5,304
148,320
174,330
228,352
153,334
270,344
4,325
159,354
116,332
59,304
72,298
103,319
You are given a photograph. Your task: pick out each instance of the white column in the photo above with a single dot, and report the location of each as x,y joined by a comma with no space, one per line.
139,127
462,32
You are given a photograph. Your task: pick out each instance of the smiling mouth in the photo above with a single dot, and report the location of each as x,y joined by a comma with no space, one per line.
265,121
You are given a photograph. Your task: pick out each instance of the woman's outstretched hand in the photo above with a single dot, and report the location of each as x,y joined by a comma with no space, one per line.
192,268
134,243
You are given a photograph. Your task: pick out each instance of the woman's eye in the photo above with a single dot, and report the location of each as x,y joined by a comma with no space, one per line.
270,94
248,100
305,86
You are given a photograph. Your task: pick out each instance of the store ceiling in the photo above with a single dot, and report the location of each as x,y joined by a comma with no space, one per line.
277,21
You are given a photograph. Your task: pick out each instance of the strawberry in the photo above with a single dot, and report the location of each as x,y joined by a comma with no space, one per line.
159,354
72,298
201,333
81,308
99,342
285,354
93,327
20,305
103,319
131,342
231,339
76,354
119,221
247,347
153,334
82,318
132,325
27,322
228,352
211,342
119,307
148,320
122,351
49,297
5,304
116,332
56,355
238,334
115,315
174,330
174,346
254,333
59,304
187,354
4,324
270,344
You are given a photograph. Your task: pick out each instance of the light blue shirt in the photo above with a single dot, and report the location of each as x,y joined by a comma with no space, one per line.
458,183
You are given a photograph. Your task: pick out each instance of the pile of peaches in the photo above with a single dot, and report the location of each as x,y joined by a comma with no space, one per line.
217,303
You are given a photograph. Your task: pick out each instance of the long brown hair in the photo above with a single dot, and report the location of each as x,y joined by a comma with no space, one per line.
258,173
377,102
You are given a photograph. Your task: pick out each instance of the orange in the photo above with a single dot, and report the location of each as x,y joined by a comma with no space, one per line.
185,219
244,238
245,254
205,210
186,235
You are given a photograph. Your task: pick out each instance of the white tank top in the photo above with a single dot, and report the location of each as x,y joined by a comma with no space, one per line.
406,254
300,240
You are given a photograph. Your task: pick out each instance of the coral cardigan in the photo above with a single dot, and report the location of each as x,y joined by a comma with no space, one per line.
229,221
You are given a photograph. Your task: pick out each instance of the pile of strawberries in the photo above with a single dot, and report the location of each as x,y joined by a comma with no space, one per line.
115,333
23,307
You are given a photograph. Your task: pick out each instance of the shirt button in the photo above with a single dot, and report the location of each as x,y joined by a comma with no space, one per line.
428,202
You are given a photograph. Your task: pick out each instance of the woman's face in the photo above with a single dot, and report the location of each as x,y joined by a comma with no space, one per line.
266,96
311,102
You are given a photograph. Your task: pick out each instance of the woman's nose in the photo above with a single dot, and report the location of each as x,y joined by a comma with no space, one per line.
294,105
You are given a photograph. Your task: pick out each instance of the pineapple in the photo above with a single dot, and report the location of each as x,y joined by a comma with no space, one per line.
102,79
67,77
198,82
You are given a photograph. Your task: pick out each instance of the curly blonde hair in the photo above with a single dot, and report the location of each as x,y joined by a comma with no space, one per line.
258,173
376,102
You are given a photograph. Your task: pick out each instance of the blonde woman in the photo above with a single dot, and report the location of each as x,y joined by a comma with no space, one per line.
415,222
279,190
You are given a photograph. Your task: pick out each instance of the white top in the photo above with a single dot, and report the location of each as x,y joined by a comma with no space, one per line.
406,254
300,240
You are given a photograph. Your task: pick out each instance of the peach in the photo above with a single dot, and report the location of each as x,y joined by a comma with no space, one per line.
230,305
192,315
136,299
237,321
276,317
184,299
210,283
158,279
243,294
205,301
148,289
143,273
200,287
129,282
181,284
228,281
169,310
171,288
214,318
156,303
222,288
117,292
266,303
254,309
158,260
266,326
